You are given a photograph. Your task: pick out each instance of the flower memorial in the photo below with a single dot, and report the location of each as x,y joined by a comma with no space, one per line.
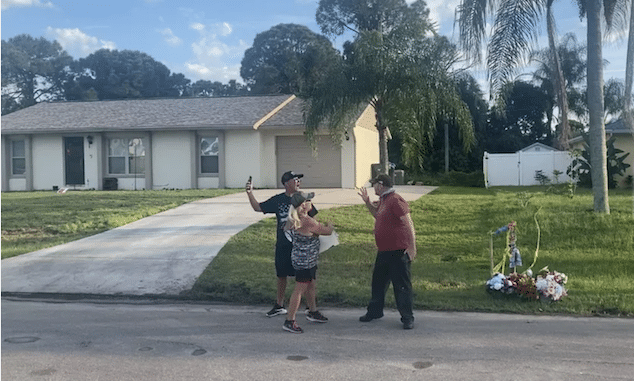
546,286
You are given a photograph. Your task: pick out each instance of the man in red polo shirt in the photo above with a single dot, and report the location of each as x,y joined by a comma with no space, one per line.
396,242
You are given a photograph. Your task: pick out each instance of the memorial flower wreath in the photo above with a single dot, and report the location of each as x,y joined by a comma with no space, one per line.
546,285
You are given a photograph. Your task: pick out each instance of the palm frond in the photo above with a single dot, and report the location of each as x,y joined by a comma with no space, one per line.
515,30
471,17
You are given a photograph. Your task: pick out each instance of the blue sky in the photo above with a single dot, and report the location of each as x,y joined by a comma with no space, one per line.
206,39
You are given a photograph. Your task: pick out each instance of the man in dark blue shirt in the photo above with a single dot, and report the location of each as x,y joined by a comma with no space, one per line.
280,204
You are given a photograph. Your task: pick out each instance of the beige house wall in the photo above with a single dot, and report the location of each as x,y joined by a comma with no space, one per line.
624,143
48,159
243,158
366,137
171,160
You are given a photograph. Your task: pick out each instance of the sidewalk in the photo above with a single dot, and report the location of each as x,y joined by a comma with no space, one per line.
159,255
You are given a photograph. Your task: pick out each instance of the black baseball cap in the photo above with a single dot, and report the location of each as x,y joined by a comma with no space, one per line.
382,179
290,175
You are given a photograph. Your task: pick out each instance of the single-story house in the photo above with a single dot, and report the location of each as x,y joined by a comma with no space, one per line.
178,143
539,147
624,140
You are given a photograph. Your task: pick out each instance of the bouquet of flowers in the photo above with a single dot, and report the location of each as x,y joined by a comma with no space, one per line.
548,285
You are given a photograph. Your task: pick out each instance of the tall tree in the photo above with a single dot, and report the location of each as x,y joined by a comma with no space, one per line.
393,66
204,88
515,27
113,74
449,146
32,71
285,58
521,121
629,72
572,57
594,11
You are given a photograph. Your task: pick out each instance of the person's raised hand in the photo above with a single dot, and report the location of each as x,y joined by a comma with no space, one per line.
363,192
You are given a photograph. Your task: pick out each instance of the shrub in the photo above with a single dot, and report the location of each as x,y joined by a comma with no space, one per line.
453,178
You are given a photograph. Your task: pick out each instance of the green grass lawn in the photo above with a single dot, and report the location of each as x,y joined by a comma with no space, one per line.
452,224
36,220
453,227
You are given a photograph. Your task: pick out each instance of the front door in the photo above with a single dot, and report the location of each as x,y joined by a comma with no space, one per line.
74,160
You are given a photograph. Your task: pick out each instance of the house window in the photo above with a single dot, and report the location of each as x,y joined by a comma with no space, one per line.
18,157
126,156
209,155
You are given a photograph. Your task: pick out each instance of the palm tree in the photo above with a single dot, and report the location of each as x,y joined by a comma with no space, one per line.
629,72
394,67
573,67
514,29
598,153
613,12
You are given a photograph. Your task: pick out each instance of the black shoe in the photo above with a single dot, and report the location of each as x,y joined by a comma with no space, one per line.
291,326
276,310
367,317
316,316
408,324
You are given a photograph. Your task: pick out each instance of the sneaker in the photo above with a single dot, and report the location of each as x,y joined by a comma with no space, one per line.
276,310
408,324
316,316
291,326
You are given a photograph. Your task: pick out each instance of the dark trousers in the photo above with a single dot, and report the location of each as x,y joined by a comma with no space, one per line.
392,266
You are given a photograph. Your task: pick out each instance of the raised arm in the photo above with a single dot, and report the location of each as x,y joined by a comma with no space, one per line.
363,192
322,229
254,203
311,225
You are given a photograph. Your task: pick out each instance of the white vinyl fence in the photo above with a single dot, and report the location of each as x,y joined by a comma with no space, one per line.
518,169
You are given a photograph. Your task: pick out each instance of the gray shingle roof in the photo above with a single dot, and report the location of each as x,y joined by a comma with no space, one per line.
149,114
616,127
289,115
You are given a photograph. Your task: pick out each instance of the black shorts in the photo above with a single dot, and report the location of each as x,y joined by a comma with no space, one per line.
305,275
283,265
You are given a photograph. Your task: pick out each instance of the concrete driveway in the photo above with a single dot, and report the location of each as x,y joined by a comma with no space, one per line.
159,255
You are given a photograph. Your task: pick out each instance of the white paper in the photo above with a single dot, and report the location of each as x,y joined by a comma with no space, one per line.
328,241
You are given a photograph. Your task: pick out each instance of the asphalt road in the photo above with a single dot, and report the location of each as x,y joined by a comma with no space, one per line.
119,341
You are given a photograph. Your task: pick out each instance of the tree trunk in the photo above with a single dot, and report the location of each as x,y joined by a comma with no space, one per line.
383,135
560,85
598,154
383,157
629,73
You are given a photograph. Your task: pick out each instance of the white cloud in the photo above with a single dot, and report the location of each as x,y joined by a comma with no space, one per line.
170,38
6,4
198,26
213,73
214,59
225,29
77,43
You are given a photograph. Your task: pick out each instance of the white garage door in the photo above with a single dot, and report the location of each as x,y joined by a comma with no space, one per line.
323,171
